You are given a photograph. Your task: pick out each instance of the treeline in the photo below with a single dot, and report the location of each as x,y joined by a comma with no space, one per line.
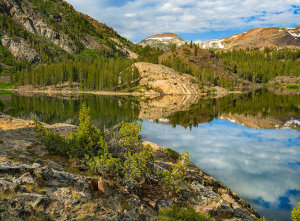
148,54
97,74
204,75
261,66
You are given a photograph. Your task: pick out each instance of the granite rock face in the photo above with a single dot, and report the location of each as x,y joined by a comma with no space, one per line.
165,80
32,23
20,49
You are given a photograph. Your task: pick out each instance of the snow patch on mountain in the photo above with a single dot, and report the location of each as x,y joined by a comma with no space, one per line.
161,39
212,44
294,34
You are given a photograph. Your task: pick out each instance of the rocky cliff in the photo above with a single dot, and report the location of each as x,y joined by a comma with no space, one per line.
20,49
162,41
33,23
166,80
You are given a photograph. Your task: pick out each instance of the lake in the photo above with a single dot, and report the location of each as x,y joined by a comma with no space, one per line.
250,142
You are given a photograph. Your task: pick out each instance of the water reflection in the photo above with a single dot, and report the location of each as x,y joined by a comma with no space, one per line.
261,165
260,109
107,111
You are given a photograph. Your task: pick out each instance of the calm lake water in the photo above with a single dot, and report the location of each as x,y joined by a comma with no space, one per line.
245,141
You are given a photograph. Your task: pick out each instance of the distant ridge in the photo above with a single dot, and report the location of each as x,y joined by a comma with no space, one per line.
258,38
164,35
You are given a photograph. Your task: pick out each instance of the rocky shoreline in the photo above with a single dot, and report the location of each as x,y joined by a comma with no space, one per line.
217,92
37,186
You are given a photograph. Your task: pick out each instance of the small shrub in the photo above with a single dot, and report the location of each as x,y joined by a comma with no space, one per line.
186,214
88,140
137,166
174,179
29,187
172,153
53,141
105,164
295,216
129,134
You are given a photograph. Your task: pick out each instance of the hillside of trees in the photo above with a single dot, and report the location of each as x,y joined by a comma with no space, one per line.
203,64
110,68
262,66
231,68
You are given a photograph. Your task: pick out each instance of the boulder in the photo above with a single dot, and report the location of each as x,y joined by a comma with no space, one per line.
26,178
104,187
7,186
224,211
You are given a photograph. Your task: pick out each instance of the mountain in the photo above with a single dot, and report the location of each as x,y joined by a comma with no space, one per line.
46,31
162,41
254,38
258,38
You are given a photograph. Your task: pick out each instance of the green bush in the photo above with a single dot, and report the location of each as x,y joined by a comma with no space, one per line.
53,141
174,179
137,166
183,214
105,164
129,134
172,153
296,213
87,141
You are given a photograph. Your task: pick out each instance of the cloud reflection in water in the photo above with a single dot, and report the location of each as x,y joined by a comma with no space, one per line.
261,165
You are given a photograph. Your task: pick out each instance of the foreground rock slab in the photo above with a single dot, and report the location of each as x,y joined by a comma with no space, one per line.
37,186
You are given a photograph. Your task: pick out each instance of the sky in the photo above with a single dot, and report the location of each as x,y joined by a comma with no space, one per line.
190,19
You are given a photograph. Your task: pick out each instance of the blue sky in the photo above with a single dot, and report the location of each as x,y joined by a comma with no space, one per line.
190,19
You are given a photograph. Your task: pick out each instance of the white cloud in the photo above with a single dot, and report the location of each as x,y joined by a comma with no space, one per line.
129,15
138,19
